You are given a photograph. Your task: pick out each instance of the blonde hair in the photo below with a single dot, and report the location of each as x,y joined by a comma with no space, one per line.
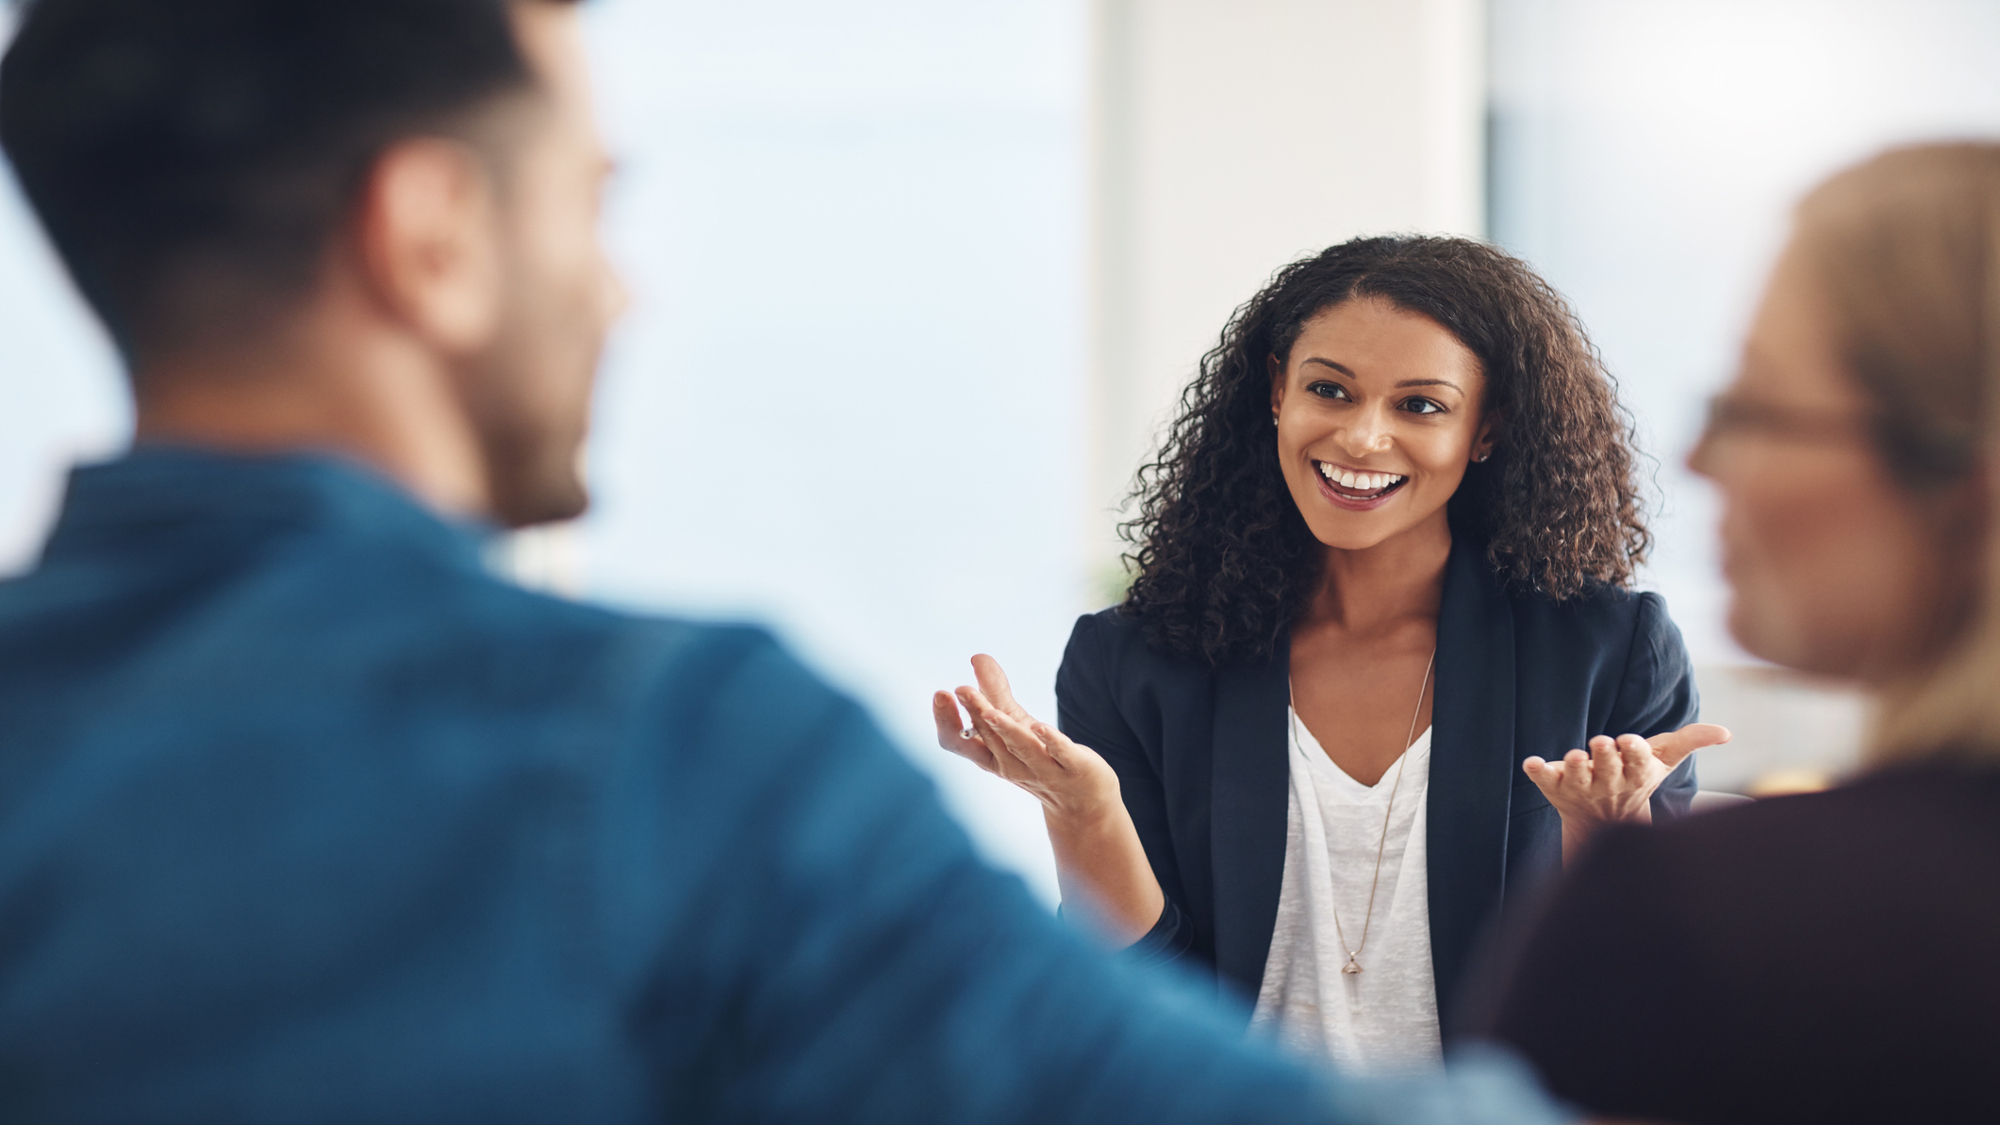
1905,249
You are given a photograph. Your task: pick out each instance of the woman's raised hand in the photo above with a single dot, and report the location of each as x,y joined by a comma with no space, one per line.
1101,864
1071,781
1614,780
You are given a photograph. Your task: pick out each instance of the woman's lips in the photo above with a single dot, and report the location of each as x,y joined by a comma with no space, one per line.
1351,499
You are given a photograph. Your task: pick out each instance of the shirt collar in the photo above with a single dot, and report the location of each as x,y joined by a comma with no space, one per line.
155,488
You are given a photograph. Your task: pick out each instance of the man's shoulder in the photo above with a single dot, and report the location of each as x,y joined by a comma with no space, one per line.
480,651
516,620
603,653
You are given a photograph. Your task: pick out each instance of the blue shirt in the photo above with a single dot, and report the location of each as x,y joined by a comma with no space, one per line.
305,817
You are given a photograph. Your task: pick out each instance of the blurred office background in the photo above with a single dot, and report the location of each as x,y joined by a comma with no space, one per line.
917,282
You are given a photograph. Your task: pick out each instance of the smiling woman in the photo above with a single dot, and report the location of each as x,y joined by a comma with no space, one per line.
1400,486
1555,510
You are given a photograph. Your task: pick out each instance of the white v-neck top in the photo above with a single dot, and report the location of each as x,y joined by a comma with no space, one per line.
1384,1017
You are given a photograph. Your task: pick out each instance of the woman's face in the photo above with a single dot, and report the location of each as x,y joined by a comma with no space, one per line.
1832,563
1379,412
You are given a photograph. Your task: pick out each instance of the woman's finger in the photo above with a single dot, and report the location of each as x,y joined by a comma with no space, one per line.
1674,746
1546,775
1063,752
1607,767
1576,774
1006,762
1020,742
986,719
950,724
1055,744
952,732
1637,758
993,683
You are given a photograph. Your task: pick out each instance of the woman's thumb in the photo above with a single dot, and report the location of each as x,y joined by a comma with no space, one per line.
1673,747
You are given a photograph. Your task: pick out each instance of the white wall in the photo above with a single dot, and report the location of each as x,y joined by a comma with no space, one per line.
61,395
849,399
1234,136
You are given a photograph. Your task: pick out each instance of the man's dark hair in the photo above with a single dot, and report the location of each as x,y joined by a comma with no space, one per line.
192,158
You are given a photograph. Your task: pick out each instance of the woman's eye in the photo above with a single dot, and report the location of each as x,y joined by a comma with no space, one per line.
1328,390
1422,406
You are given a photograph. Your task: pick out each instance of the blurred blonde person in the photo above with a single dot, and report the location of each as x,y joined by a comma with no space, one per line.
1828,957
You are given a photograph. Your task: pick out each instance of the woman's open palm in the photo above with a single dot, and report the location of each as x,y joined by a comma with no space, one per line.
1614,780
1070,780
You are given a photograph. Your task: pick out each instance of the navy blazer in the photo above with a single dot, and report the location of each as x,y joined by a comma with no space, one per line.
1202,756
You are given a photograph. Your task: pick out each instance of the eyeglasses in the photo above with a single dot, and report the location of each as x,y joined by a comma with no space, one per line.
1737,414
1918,455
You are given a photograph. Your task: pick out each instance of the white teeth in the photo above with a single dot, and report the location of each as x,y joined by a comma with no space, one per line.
1359,482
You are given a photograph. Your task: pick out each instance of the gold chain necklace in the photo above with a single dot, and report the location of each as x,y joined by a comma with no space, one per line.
1354,954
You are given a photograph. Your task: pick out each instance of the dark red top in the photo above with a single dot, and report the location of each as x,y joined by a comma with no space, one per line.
1827,958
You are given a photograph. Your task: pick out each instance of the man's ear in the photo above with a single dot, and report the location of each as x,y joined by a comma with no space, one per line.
428,234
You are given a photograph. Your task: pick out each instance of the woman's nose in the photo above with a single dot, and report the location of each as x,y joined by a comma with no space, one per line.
1701,459
1368,434
1697,458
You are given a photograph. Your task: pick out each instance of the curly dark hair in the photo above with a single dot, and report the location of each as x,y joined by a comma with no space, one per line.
1224,561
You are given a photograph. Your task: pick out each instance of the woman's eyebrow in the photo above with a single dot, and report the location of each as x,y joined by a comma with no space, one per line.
1329,363
1431,383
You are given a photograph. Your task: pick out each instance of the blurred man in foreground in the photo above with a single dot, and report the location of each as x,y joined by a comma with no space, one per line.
305,817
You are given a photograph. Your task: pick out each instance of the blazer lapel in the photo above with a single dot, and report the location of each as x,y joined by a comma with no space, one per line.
1472,762
1250,775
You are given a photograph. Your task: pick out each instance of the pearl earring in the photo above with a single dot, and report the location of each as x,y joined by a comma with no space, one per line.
1481,459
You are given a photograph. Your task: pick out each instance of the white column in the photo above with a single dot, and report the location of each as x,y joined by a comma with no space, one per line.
1233,136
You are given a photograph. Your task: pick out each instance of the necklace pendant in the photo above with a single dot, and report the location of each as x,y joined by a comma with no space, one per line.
1352,967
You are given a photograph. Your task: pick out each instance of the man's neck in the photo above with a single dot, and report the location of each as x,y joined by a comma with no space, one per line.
370,395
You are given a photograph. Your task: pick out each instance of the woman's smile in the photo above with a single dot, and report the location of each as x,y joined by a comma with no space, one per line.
1379,411
1356,489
